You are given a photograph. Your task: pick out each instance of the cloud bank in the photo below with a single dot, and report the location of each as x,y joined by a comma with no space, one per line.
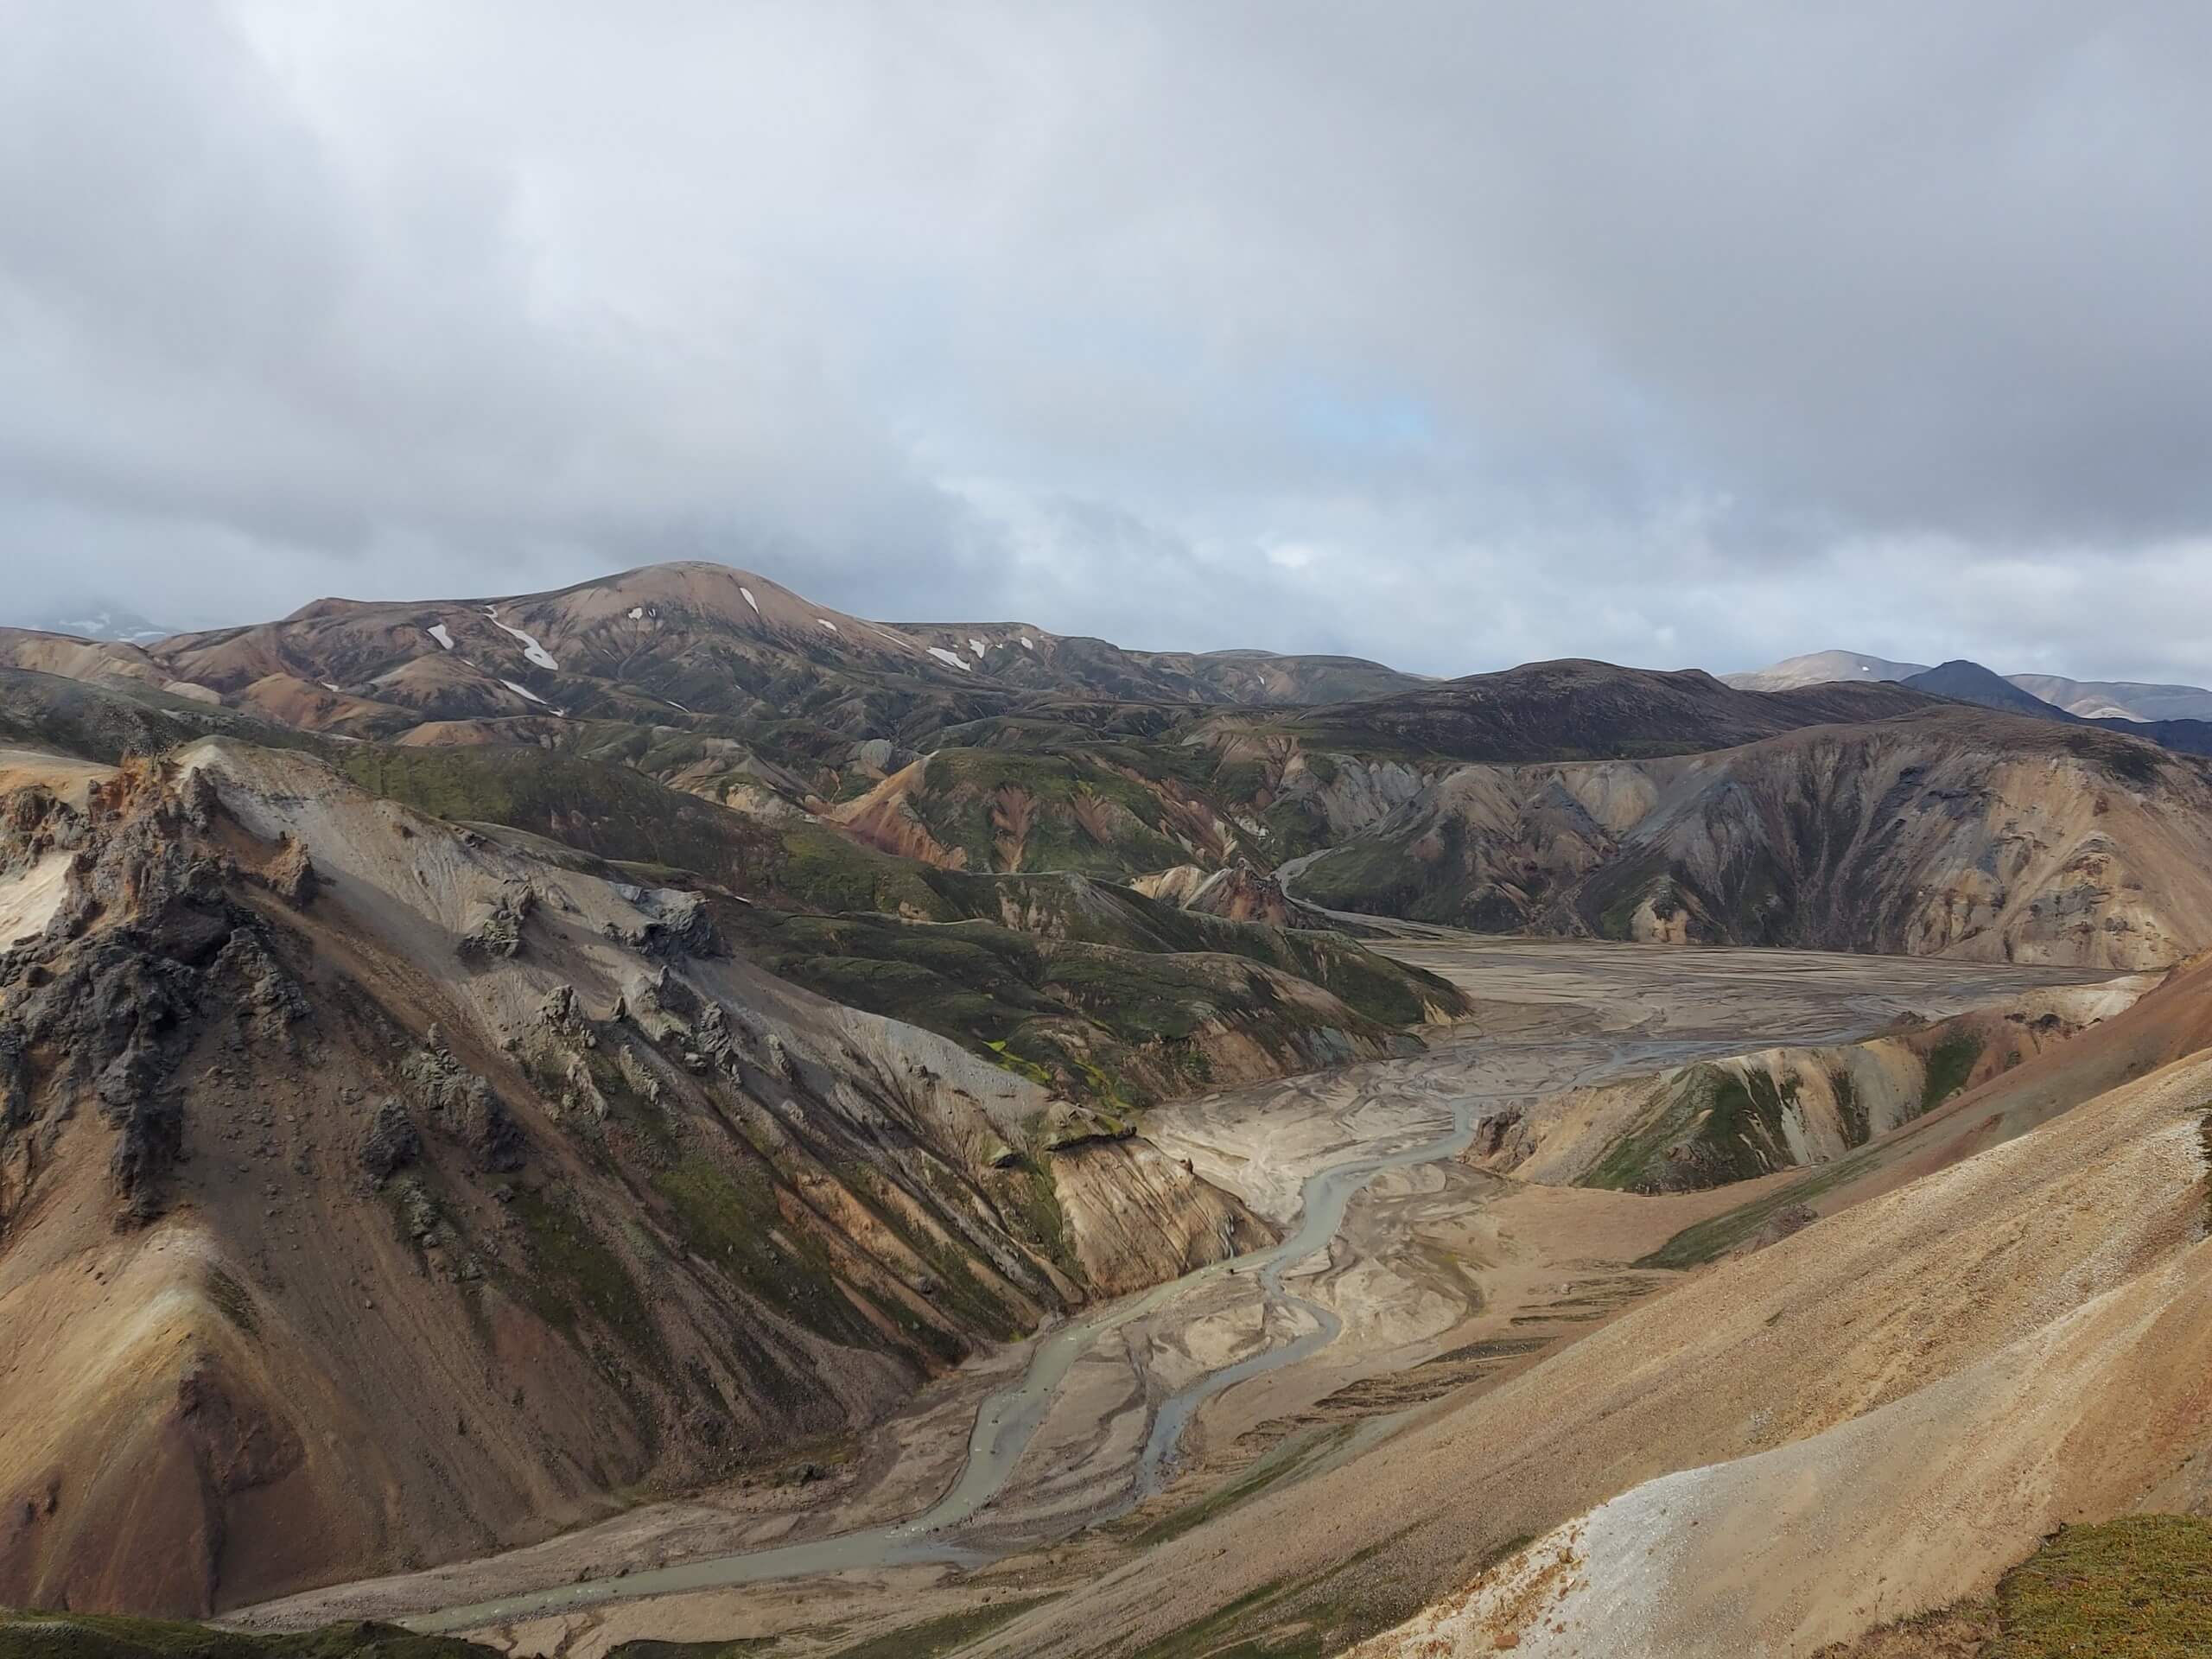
1450,334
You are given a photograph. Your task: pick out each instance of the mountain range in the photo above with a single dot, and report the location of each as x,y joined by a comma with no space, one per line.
2090,699
868,764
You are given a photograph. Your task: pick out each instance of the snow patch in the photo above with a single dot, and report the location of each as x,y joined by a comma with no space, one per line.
531,648
1027,643
437,632
524,691
327,686
977,646
749,599
827,623
951,659
637,612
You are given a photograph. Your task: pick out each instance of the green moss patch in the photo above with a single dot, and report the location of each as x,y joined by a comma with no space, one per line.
234,1300
1292,1618
2132,1588
1950,1064
932,1638
1709,1127
2139,1587
1703,1240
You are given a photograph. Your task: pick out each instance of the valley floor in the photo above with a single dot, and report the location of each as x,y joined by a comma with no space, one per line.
1120,1506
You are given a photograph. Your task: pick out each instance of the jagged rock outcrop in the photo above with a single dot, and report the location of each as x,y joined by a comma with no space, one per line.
494,924
146,945
1137,1216
291,874
393,1142
464,1104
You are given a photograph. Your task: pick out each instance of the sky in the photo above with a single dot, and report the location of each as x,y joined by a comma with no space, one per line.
1454,335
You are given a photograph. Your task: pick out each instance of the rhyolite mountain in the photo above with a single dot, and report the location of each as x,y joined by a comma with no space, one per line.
1941,831
694,639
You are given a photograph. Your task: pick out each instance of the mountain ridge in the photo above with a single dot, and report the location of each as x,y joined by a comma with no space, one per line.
2134,700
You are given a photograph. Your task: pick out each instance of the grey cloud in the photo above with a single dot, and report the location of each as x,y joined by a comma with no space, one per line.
1450,334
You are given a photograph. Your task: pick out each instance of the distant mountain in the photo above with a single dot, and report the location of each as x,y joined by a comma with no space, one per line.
2118,699
98,619
1576,709
1818,668
1965,681
2090,699
693,639
1877,836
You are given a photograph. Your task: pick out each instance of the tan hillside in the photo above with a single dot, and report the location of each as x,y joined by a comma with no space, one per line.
1930,1382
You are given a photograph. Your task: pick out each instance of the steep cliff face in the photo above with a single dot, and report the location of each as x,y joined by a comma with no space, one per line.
373,1191
1942,834
1237,894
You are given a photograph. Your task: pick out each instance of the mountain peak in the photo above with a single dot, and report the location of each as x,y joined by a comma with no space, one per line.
1969,682
1820,668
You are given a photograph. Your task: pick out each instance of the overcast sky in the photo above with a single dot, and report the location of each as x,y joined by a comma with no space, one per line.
1454,335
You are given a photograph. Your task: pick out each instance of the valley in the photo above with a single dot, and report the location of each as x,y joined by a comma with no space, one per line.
1403,1274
